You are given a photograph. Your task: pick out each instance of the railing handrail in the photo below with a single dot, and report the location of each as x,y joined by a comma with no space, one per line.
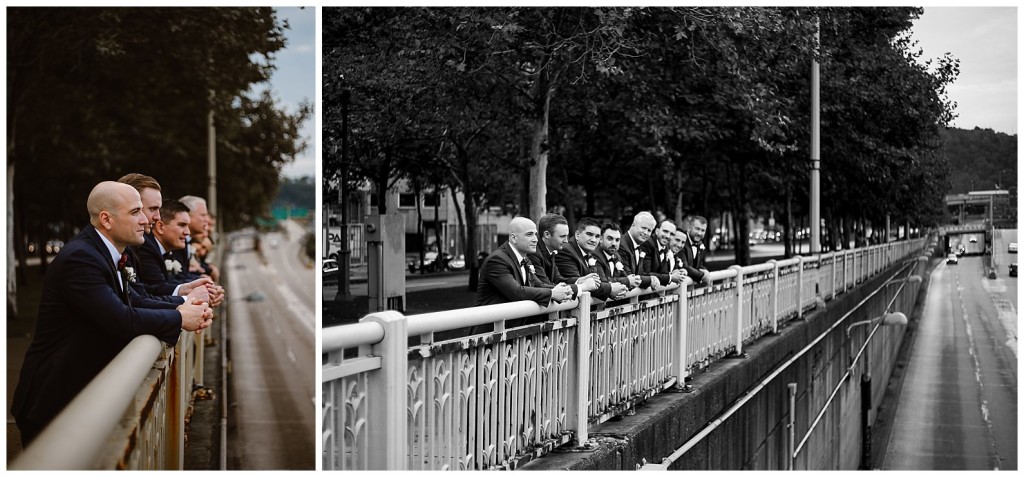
75,437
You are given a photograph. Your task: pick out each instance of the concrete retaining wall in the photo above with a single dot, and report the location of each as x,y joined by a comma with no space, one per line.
755,437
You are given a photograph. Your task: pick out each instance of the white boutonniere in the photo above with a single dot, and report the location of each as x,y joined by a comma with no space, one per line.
591,261
530,267
643,254
172,266
130,273
618,266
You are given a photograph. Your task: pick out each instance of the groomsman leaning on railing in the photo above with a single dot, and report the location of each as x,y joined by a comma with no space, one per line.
88,312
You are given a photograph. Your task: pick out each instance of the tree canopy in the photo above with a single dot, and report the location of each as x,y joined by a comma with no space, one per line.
683,110
94,93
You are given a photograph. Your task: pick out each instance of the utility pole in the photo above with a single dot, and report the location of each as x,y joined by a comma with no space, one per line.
344,292
211,152
816,146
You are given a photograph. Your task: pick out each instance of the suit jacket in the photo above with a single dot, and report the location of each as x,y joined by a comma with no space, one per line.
572,265
501,282
656,262
184,276
693,264
630,263
544,264
607,268
85,319
153,274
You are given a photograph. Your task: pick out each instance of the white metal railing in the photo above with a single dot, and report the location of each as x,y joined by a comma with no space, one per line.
489,400
107,426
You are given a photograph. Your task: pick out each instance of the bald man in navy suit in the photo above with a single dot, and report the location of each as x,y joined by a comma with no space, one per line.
88,313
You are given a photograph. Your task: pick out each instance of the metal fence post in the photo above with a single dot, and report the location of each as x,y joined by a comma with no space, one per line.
681,370
775,296
791,442
388,395
800,287
739,309
834,267
582,372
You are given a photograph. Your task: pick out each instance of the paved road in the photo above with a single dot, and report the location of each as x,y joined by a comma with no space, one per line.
958,406
273,360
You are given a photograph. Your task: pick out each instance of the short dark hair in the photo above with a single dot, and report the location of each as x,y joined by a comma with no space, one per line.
587,222
610,226
548,222
170,208
697,218
663,223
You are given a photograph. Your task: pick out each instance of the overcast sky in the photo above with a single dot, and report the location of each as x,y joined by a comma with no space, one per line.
295,79
985,41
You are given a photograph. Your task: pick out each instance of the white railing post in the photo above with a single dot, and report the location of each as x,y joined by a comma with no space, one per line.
799,287
388,395
680,368
834,267
775,296
853,264
579,400
739,309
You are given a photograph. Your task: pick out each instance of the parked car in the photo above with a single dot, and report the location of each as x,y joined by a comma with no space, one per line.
1012,248
974,239
952,259
330,270
1013,269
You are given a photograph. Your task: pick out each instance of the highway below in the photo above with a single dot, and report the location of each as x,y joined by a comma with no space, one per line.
958,406
272,416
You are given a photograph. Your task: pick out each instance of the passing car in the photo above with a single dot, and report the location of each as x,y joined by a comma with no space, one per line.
1012,248
952,259
330,270
974,239
1013,269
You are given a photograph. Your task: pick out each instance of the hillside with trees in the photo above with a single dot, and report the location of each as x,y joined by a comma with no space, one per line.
980,159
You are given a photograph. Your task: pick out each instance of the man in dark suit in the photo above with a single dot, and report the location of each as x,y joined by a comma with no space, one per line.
659,260
87,313
150,282
199,225
609,266
578,258
162,273
554,230
630,252
508,276
694,252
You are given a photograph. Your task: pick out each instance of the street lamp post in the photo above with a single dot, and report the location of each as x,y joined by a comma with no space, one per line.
344,293
816,147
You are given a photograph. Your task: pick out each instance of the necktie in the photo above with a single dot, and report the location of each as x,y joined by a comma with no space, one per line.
122,261
523,265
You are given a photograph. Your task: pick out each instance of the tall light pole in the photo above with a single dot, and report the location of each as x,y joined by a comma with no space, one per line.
344,293
816,145
211,152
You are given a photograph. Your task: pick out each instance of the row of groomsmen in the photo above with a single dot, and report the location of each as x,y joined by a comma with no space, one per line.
137,269
542,263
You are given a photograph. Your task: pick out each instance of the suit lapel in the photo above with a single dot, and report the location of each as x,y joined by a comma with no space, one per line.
120,287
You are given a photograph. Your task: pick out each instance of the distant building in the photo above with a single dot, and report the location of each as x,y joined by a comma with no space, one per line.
435,225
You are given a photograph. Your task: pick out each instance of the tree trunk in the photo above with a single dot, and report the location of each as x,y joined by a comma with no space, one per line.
12,243
678,173
539,146
470,207
419,223
787,226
